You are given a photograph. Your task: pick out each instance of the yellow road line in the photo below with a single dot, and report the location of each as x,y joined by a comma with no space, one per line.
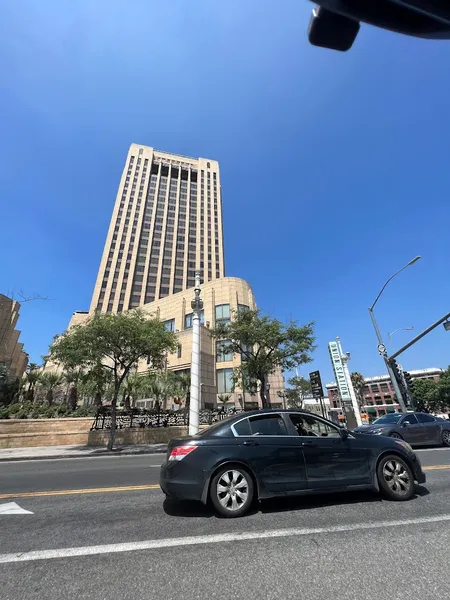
435,467
128,488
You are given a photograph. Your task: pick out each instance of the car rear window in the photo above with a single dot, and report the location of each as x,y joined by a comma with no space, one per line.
242,427
268,425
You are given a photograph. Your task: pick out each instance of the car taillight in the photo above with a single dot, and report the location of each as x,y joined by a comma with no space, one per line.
179,452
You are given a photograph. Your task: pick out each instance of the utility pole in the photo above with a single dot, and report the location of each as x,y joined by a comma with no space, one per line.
381,346
194,407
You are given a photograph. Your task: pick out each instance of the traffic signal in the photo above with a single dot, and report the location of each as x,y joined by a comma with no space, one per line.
408,380
397,371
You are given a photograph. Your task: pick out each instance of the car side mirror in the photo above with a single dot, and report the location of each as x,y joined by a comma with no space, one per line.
344,433
405,424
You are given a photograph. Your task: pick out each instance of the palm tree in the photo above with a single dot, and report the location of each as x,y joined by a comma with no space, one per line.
49,381
224,399
359,383
94,383
160,386
133,385
71,377
32,377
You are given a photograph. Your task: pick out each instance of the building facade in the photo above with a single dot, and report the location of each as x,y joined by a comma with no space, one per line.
379,395
221,299
166,223
11,350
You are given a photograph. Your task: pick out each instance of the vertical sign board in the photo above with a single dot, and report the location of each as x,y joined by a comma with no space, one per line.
316,384
339,373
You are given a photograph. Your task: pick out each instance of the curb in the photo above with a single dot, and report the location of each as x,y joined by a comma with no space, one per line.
96,454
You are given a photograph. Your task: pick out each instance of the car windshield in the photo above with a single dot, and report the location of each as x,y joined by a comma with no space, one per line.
392,418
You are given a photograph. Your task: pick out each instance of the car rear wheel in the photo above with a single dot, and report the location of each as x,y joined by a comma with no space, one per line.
396,436
395,478
446,437
231,491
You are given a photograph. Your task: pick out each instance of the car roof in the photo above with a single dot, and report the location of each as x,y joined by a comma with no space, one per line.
268,411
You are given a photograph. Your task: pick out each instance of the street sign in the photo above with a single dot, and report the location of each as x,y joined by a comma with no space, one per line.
381,349
316,384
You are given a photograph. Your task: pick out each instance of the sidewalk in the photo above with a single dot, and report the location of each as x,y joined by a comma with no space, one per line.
48,452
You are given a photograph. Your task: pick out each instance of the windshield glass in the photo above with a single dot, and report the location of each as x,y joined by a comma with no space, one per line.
392,418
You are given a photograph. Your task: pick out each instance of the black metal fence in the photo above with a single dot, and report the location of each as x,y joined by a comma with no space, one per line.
141,418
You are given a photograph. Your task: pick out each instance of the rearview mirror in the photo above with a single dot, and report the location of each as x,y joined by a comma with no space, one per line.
344,433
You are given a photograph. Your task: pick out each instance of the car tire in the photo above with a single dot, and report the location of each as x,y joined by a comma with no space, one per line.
231,491
396,436
446,438
395,478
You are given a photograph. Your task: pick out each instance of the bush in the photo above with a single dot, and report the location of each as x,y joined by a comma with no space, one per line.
28,410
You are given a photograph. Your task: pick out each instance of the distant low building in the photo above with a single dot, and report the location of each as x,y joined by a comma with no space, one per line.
379,395
11,350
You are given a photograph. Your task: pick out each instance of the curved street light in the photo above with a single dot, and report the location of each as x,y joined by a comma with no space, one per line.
399,329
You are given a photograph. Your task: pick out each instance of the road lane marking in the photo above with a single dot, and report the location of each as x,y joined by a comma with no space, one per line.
128,488
11,508
209,539
435,467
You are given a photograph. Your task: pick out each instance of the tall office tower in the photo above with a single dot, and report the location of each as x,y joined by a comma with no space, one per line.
166,223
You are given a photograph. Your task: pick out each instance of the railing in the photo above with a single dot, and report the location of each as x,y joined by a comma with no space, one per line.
140,418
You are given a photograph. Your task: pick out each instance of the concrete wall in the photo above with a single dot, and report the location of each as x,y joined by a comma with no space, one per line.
19,433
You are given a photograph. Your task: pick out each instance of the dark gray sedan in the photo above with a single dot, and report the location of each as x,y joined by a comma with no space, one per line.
418,429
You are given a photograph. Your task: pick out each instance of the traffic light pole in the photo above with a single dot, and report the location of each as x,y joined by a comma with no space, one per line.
394,382
420,336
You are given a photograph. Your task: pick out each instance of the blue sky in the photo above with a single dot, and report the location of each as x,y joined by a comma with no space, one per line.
334,167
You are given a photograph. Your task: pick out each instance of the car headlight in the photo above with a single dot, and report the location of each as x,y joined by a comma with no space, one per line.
379,431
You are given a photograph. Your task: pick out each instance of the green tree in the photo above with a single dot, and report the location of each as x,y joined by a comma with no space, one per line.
160,387
95,384
32,378
265,345
131,388
443,390
295,394
117,342
71,378
49,382
359,383
425,394
224,399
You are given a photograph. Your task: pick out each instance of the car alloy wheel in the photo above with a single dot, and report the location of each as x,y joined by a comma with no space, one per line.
232,491
395,478
446,437
396,435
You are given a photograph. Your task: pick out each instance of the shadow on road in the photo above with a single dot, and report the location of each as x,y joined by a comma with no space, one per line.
295,503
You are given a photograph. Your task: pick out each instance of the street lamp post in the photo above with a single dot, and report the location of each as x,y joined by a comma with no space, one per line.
399,329
194,407
381,346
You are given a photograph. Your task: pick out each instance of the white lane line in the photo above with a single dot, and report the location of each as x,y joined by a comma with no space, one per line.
432,450
11,508
157,455
208,539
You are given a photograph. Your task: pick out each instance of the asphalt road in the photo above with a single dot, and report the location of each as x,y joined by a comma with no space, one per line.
130,544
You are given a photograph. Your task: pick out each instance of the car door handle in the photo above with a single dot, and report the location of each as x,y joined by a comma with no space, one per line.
308,443
251,443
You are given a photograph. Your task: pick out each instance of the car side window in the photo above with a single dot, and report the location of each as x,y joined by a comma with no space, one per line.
411,419
424,418
306,425
242,427
268,425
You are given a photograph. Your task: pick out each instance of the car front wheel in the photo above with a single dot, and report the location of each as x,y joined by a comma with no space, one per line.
396,436
232,491
395,478
446,437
